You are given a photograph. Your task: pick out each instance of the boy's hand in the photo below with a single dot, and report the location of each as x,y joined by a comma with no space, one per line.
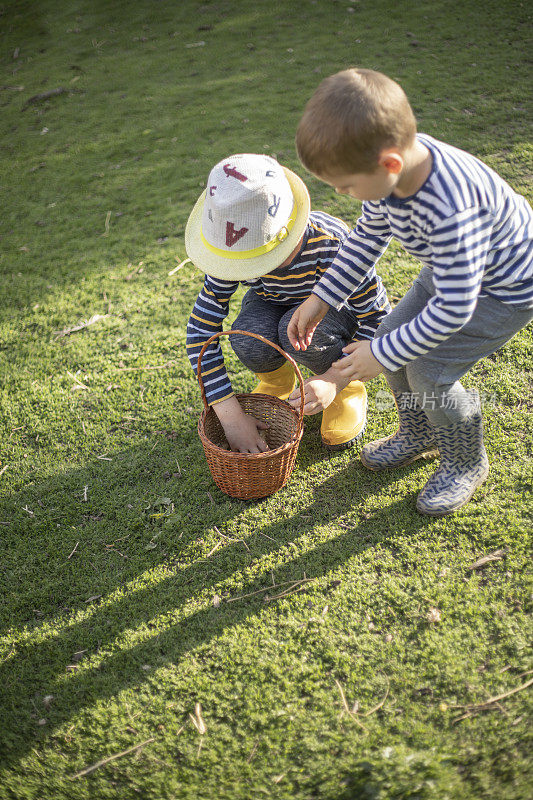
320,391
359,363
304,321
242,430
244,436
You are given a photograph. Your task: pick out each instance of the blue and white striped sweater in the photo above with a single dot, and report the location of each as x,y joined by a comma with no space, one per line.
467,225
287,286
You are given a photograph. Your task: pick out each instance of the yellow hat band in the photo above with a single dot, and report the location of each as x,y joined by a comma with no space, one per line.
256,251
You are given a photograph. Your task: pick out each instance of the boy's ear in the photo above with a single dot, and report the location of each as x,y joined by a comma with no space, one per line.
391,160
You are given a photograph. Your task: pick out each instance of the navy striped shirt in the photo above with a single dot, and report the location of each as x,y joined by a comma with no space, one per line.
289,286
465,223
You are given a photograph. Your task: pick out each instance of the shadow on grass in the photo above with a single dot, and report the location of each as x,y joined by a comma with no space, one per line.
37,668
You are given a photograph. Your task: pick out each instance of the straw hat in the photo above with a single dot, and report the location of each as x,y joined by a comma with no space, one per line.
248,220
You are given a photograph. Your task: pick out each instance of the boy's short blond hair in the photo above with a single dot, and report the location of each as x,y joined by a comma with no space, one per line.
350,119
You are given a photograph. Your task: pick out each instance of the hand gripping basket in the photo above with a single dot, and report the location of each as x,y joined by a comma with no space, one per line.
252,475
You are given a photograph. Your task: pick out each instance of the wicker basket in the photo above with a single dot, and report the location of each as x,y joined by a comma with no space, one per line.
252,475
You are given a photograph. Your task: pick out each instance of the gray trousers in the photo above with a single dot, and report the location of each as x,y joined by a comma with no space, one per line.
270,320
433,379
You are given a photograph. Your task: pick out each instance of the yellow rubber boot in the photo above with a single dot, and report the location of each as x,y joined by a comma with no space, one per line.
278,383
344,420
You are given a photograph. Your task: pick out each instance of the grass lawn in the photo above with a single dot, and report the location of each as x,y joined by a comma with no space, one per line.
132,589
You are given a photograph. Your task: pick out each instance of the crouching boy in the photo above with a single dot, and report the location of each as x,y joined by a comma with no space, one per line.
253,225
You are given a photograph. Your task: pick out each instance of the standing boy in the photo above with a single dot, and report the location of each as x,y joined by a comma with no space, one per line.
253,224
473,235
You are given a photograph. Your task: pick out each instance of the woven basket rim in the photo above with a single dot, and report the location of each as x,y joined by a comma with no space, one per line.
248,456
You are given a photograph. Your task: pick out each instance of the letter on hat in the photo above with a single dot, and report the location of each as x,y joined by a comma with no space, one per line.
233,236
231,172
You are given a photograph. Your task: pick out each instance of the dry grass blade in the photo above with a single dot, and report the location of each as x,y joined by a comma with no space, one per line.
230,538
180,265
459,719
348,710
101,763
296,587
267,588
106,224
499,697
39,98
81,326
523,674
76,547
214,549
376,708
74,378
492,702
253,751
497,555
198,720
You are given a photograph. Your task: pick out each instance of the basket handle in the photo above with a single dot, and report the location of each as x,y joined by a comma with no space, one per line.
265,341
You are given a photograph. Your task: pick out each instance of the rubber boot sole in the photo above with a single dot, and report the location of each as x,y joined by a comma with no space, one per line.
427,455
344,445
458,505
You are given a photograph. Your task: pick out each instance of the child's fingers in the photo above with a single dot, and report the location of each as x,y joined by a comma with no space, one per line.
292,333
304,340
311,406
304,334
350,348
294,330
342,362
347,368
314,407
310,333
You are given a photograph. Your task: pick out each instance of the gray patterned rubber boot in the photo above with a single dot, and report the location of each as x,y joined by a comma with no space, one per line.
463,467
414,439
